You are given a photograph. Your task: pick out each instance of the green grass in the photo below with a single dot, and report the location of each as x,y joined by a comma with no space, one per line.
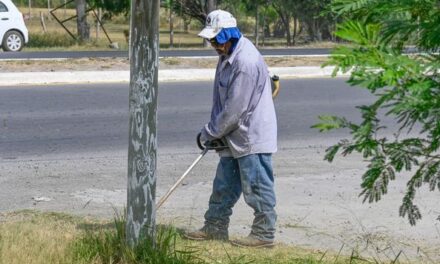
109,246
50,40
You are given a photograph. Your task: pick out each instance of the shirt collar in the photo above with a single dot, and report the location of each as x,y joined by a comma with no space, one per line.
231,57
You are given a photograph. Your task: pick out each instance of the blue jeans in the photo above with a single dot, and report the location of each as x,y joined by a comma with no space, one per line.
251,175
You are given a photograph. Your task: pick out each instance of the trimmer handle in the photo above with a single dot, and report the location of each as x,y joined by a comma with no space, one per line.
216,144
275,83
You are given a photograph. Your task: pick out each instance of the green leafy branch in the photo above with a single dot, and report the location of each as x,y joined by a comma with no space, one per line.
406,88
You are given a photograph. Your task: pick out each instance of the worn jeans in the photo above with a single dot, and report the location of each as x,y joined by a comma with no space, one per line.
251,175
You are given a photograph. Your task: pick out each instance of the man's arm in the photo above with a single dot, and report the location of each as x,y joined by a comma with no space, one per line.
235,110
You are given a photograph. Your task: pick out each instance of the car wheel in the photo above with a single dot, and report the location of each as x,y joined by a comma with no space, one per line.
12,41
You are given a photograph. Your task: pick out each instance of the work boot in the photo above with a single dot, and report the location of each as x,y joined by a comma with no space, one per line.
253,242
207,233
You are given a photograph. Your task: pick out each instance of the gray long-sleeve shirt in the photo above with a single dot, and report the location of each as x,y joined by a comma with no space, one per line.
243,112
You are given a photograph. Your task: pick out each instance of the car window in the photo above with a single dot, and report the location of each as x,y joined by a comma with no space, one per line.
3,8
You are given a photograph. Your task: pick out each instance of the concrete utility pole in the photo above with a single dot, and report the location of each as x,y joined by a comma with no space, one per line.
142,149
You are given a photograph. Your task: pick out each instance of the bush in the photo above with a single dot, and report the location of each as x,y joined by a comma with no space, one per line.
43,40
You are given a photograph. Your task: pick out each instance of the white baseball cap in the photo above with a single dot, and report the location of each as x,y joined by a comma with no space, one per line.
215,22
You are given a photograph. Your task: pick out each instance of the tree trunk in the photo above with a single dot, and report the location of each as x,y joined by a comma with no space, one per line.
30,8
295,29
43,24
142,144
285,19
313,30
264,28
97,23
256,26
288,34
318,30
65,8
171,28
48,9
210,5
83,27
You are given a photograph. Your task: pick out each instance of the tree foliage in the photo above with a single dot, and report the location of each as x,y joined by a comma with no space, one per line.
305,14
406,88
111,6
197,9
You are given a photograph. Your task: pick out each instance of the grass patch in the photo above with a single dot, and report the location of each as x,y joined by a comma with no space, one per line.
38,40
109,246
35,237
30,237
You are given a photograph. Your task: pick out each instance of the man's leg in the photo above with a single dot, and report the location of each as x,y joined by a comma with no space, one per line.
226,191
258,191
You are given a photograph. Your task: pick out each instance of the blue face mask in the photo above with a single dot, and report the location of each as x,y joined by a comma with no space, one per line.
229,34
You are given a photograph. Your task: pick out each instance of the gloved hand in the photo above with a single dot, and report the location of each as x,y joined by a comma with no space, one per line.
216,144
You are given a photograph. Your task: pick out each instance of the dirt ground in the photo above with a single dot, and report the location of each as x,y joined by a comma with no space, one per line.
117,64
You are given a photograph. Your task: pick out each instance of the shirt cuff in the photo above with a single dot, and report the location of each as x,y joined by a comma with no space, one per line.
205,136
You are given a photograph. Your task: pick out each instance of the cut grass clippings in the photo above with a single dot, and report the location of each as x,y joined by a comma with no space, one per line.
46,238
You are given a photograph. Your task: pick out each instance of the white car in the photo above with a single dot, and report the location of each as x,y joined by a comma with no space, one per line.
13,32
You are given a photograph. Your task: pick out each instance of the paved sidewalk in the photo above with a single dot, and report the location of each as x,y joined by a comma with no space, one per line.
41,78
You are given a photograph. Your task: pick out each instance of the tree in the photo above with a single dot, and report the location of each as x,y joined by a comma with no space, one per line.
313,15
83,27
307,14
169,6
406,87
198,9
255,7
142,150
111,7
287,10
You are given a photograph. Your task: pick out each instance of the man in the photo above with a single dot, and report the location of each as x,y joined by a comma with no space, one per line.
243,117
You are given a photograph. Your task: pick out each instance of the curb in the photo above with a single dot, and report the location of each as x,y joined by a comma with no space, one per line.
171,75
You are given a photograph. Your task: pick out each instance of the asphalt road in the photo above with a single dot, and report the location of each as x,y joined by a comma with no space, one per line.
162,53
62,119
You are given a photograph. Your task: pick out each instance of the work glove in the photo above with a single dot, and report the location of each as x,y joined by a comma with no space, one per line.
215,144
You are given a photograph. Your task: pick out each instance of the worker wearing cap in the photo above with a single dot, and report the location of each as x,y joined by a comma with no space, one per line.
243,116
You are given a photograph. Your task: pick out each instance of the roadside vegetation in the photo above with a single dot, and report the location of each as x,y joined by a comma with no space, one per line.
406,90
277,23
46,238
53,36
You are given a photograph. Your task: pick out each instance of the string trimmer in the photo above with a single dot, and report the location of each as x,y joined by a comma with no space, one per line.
217,145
